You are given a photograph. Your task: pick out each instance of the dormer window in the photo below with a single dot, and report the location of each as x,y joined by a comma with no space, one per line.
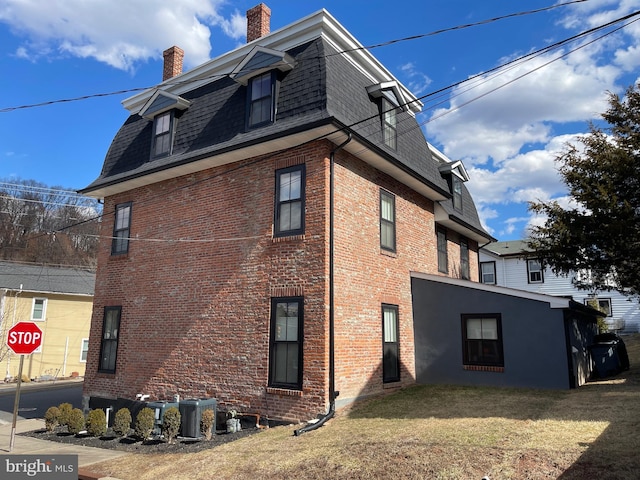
389,130
391,101
161,108
261,103
456,190
456,174
162,134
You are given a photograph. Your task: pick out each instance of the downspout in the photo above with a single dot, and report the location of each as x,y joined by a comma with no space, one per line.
332,374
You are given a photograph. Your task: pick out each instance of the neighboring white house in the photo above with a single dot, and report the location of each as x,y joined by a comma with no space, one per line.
504,264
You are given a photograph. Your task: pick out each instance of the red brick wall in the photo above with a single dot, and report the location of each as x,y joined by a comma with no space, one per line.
367,276
195,289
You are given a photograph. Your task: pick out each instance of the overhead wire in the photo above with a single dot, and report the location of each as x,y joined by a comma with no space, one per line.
440,91
496,70
178,82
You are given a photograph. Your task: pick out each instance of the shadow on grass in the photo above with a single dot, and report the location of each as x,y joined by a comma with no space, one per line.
614,401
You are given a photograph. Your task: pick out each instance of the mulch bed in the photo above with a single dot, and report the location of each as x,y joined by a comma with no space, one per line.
133,445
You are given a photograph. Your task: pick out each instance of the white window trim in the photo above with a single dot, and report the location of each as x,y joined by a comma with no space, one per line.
81,349
44,309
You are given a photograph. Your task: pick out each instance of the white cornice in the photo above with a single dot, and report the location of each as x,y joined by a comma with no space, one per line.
318,24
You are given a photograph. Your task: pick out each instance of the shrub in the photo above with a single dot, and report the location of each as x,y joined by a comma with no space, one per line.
144,423
206,423
65,412
51,418
96,423
171,423
122,422
76,421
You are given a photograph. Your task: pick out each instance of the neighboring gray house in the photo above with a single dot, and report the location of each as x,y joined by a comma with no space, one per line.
505,264
473,334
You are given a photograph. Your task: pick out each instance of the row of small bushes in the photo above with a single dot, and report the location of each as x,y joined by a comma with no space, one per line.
95,423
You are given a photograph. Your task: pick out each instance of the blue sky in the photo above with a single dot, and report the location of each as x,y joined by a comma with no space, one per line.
507,129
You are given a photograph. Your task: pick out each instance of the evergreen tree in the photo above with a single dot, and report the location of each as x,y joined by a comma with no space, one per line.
601,235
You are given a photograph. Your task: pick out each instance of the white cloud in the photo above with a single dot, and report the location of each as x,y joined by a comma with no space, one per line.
134,32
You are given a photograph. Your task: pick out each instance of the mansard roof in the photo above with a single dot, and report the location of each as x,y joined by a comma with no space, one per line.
328,89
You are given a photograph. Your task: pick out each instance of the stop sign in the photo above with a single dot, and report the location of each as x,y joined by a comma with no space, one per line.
24,337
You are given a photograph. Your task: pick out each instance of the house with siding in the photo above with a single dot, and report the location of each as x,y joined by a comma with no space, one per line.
263,213
60,301
512,264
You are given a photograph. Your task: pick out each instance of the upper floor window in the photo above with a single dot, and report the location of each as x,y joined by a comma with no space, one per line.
121,229
261,103
38,311
162,134
534,271
285,366
289,208
482,340
110,335
387,221
456,187
443,259
488,272
389,123
464,259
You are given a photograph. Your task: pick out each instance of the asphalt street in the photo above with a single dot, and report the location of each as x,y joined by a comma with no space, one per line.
34,401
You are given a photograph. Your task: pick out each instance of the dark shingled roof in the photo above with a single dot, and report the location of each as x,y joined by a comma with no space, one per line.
46,279
324,88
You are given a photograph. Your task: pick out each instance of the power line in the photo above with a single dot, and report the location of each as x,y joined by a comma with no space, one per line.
497,70
213,77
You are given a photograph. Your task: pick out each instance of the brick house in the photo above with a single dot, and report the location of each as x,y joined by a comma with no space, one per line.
263,214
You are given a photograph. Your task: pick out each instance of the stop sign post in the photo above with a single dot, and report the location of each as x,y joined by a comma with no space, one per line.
23,338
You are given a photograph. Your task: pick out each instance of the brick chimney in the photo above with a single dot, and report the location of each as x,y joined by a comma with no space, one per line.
258,22
172,62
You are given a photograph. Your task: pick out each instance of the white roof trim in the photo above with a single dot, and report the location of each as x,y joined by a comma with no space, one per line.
319,24
455,168
177,102
554,302
285,64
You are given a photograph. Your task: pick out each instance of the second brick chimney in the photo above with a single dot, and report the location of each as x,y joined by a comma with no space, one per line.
258,22
172,62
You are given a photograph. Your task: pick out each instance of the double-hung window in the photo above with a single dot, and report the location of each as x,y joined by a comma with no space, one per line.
109,343
534,271
289,208
261,104
391,344
389,123
464,259
482,340
162,134
84,350
285,366
387,221
443,259
456,190
121,229
39,309
488,273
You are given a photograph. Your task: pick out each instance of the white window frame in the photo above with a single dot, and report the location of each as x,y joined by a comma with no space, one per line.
493,272
44,309
82,349
531,271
